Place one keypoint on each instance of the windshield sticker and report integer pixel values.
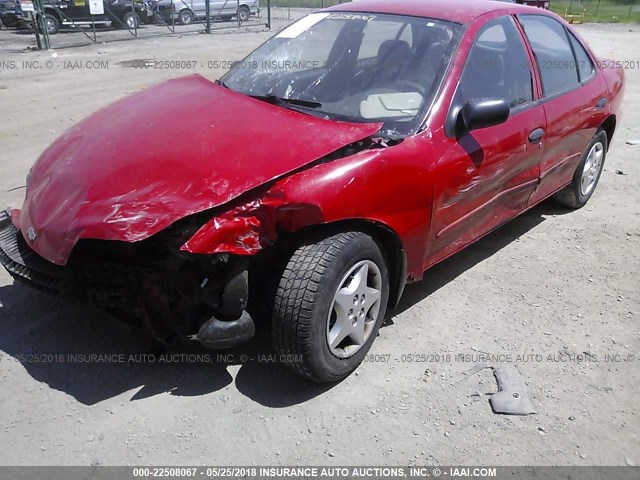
(302, 26)
(352, 16)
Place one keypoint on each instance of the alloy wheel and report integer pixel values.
(592, 167)
(354, 309)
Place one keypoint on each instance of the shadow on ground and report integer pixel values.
(54, 342)
(441, 274)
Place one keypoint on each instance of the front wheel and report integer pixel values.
(131, 20)
(52, 23)
(329, 306)
(243, 13)
(586, 177)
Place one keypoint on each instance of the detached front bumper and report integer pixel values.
(24, 264)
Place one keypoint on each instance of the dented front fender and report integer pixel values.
(242, 230)
(388, 186)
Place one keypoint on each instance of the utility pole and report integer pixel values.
(41, 25)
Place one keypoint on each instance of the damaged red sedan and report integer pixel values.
(344, 157)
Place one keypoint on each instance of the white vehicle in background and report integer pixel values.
(187, 11)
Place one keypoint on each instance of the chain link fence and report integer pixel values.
(292, 6)
(71, 23)
(307, 3)
(572, 10)
(66, 23)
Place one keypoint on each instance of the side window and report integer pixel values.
(497, 66)
(406, 33)
(585, 65)
(376, 34)
(553, 52)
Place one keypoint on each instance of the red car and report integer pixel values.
(341, 159)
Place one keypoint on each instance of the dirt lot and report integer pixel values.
(548, 282)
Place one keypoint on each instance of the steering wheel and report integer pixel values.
(409, 86)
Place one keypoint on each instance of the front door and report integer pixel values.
(487, 175)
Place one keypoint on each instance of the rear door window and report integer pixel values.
(586, 69)
(554, 55)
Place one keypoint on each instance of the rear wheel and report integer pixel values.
(330, 303)
(185, 17)
(587, 174)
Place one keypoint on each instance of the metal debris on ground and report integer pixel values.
(472, 371)
(512, 397)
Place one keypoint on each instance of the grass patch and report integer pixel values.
(606, 11)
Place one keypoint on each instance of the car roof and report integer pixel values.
(461, 11)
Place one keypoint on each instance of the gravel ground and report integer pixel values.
(549, 282)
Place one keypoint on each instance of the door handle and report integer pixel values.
(536, 135)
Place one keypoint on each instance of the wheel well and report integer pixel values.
(609, 126)
(388, 240)
(54, 12)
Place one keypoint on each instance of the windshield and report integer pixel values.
(352, 67)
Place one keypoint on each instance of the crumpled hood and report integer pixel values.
(181, 147)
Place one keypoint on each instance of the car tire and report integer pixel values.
(52, 23)
(587, 174)
(244, 13)
(131, 20)
(185, 17)
(345, 269)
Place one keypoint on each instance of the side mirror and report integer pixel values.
(477, 114)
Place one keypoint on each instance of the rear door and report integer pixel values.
(199, 8)
(486, 176)
(573, 99)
